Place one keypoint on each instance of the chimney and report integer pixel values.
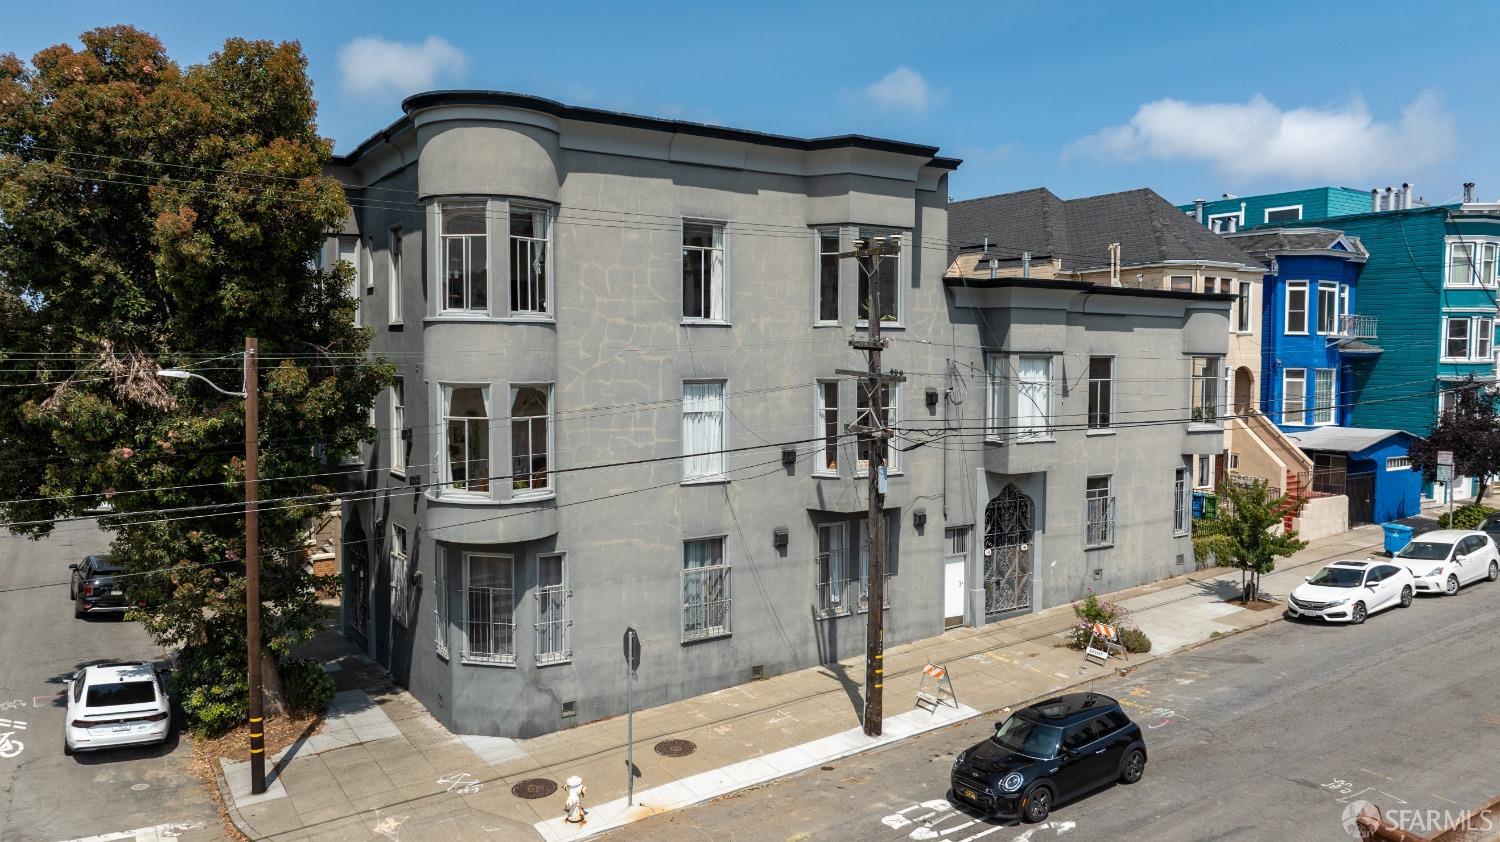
(1405, 195)
(1389, 198)
(1468, 192)
(1374, 198)
(1198, 210)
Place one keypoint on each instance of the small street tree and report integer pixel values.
(152, 217)
(1242, 535)
(1470, 429)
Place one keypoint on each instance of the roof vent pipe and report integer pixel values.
(1025, 264)
(1405, 195)
(1374, 198)
(1198, 205)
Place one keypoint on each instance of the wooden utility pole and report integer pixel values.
(874, 251)
(252, 566)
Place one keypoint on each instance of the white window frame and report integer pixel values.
(1331, 290)
(1286, 307)
(831, 580)
(444, 459)
(892, 409)
(1398, 463)
(1182, 501)
(544, 288)
(1234, 222)
(398, 426)
(1242, 316)
(994, 403)
(441, 272)
(1098, 386)
(826, 427)
(718, 287)
(394, 252)
(440, 603)
(1482, 336)
(554, 617)
(1203, 467)
(1484, 262)
(398, 554)
(495, 655)
(1266, 214)
(1299, 418)
(1099, 513)
(549, 486)
(1214, 381)
(714, 465)
(898, 306)
(1488, 263)
(356, 287)
(819, 256)
(1325, 414)
(1468, 330)
(1047, 429)
(707, 631)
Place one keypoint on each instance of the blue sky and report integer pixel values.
(1190, 99)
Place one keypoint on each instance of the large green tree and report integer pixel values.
(1470, 430)
(153, 216)
(1246, 533)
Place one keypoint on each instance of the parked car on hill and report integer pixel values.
(1047, 753)
(1446, 560)
(95, 588)
(112, 705)
(1350, 591)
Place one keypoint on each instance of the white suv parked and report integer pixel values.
(1445, 560)
(116, 705)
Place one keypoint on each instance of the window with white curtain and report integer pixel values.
(705, 589)
(440, 603)
(1206, 387)
(489, 609)
(393, 273)
(528, 260)
(465, 256)
(828, 426)
(400, 575)
(398, 426)
(994, 413)
(530, 439)
(832, 571)
(1461, 269)
(1033, 396)
(1324, 398)
(703, 284)
(467, 430)
(703, 430)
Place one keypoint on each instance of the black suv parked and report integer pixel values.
(95, 588)
(1048, 753)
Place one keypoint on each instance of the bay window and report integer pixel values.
(1205, 391)
(1328, 307)
(464, 251)
(1033, 396)
(466, 428)
(489, 609)
(530, 438)
(1296, 307)
(528, 260)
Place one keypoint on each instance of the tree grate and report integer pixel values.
(533, 788)
(676, 748)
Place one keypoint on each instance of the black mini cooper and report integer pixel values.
(1047, 753)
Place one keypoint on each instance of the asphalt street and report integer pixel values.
(43, 794)
(1269, 734)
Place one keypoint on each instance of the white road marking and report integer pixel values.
(155, 833)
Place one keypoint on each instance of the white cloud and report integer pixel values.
(1257, 139)
(902, 88)
(373, 67)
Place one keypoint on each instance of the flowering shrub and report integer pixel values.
(1095, 610)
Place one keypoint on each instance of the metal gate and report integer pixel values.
(357, 577)
(1361, 491)
(1007, 552)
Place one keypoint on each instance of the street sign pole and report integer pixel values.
(1445, 473)
(632, 661)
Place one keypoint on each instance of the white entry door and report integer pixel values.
(955, 562)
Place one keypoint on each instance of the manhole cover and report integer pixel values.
(676, 748)
(534, 788)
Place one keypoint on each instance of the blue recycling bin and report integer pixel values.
(1397, 535)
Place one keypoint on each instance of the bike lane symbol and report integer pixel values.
(9, 747)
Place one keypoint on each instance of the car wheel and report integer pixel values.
(1452, 585)
(1037, 805)
(1358, 614)
(78, 611)
(1406, 597)
(1494, 570)
(1133, 767)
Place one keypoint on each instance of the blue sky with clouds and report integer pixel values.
(1188, 98)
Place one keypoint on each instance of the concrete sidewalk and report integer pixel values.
(382, 768)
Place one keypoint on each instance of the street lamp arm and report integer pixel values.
(181, 374)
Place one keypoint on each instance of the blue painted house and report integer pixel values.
(1234, 213)
(1380, 482)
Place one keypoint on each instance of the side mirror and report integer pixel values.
(1307, 578)
(72, 567)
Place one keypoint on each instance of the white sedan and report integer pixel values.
(1350, 591)
(1446, 560)
(116, 705)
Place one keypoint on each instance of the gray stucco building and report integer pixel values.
(617, 340)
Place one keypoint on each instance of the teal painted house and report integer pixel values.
(1235, 213)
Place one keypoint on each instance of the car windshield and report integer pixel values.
(102, 564)
(1338, 577)
(1425, 551)
(122, 693)
(1030, 738)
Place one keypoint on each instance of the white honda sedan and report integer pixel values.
(116, 705)
(1446, 560)
(1350, 591)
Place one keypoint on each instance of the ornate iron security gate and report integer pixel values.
(357, 577)
(1007, 552)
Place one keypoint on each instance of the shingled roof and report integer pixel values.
(1078, 231)
(1265, 243)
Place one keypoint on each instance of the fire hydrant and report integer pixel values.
(574, 805)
